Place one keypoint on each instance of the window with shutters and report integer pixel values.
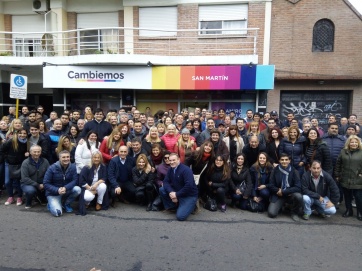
(323, 36)
(28, 44)
(223, 19)
(93, 38)
(158, 21)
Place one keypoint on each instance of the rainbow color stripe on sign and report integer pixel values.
(244, 77)
(97, 80)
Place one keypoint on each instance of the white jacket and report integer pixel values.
(83, 155)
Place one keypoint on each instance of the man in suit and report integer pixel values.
(120, 176)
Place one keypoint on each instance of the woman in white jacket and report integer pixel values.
(83, 153)
(234, 142)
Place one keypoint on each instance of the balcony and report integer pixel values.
(131, 46)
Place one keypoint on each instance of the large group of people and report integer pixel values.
(177, 161)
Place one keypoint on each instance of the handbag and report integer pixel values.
(197, 176)
(157, 204)
(14, 171)
(254, 207)
(210, 205)
(242, 187)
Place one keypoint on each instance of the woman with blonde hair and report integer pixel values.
(88, 116)
(93, 181)
(348, 172)
(143, 176)
(170, 138)
(66, 144)
(254, 130)
(14, 127)
(185, 145)
(161, 128)
(13, 152)
(152, 138)
(294, 147)
(110, 145)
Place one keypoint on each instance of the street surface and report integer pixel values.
(129, 238)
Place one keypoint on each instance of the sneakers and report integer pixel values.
(9, 201)
(305, 217)
(19, 201)
(27, 207)
(223, 208)
(295, 217)
(67, 208)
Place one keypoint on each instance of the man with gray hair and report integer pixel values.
(32, 174)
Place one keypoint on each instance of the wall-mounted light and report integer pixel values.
(149, 64)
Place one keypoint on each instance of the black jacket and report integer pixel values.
(237, 179)
(275, 182)
(323, 155)
(11, 156)
(326, 187)
(142, 178)
(86, 177)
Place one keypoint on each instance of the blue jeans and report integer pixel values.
(185, 205)
(12, 183)
(55, 202)
(320, 206)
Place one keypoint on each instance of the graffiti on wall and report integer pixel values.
(314, 105)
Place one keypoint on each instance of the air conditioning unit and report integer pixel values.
(41, 5)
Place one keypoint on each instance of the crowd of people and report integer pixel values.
(175, 161)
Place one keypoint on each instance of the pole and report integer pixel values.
(17, 108)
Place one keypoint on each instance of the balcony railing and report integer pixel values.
(123, 40)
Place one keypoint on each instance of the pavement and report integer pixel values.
(129, 238)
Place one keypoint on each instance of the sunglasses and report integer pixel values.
(166, 157)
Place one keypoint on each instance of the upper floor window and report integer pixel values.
(223, 19)
(28, 42)
(93, 38)
(159, 18)
(323, 36)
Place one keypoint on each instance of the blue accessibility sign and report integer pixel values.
(19, 81)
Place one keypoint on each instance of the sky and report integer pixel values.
(357, 4)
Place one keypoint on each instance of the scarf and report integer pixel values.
(157, 159)
(23, 140)
(206, 156)
(285, 172)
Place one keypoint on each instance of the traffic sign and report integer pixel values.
(18, 86)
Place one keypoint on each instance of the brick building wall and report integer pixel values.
(292, 34)
(298, 68)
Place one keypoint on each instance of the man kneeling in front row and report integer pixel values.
(60, 185)
(320, 191)
(179, 191)
(285, 187)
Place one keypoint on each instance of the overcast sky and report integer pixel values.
(357, 4)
